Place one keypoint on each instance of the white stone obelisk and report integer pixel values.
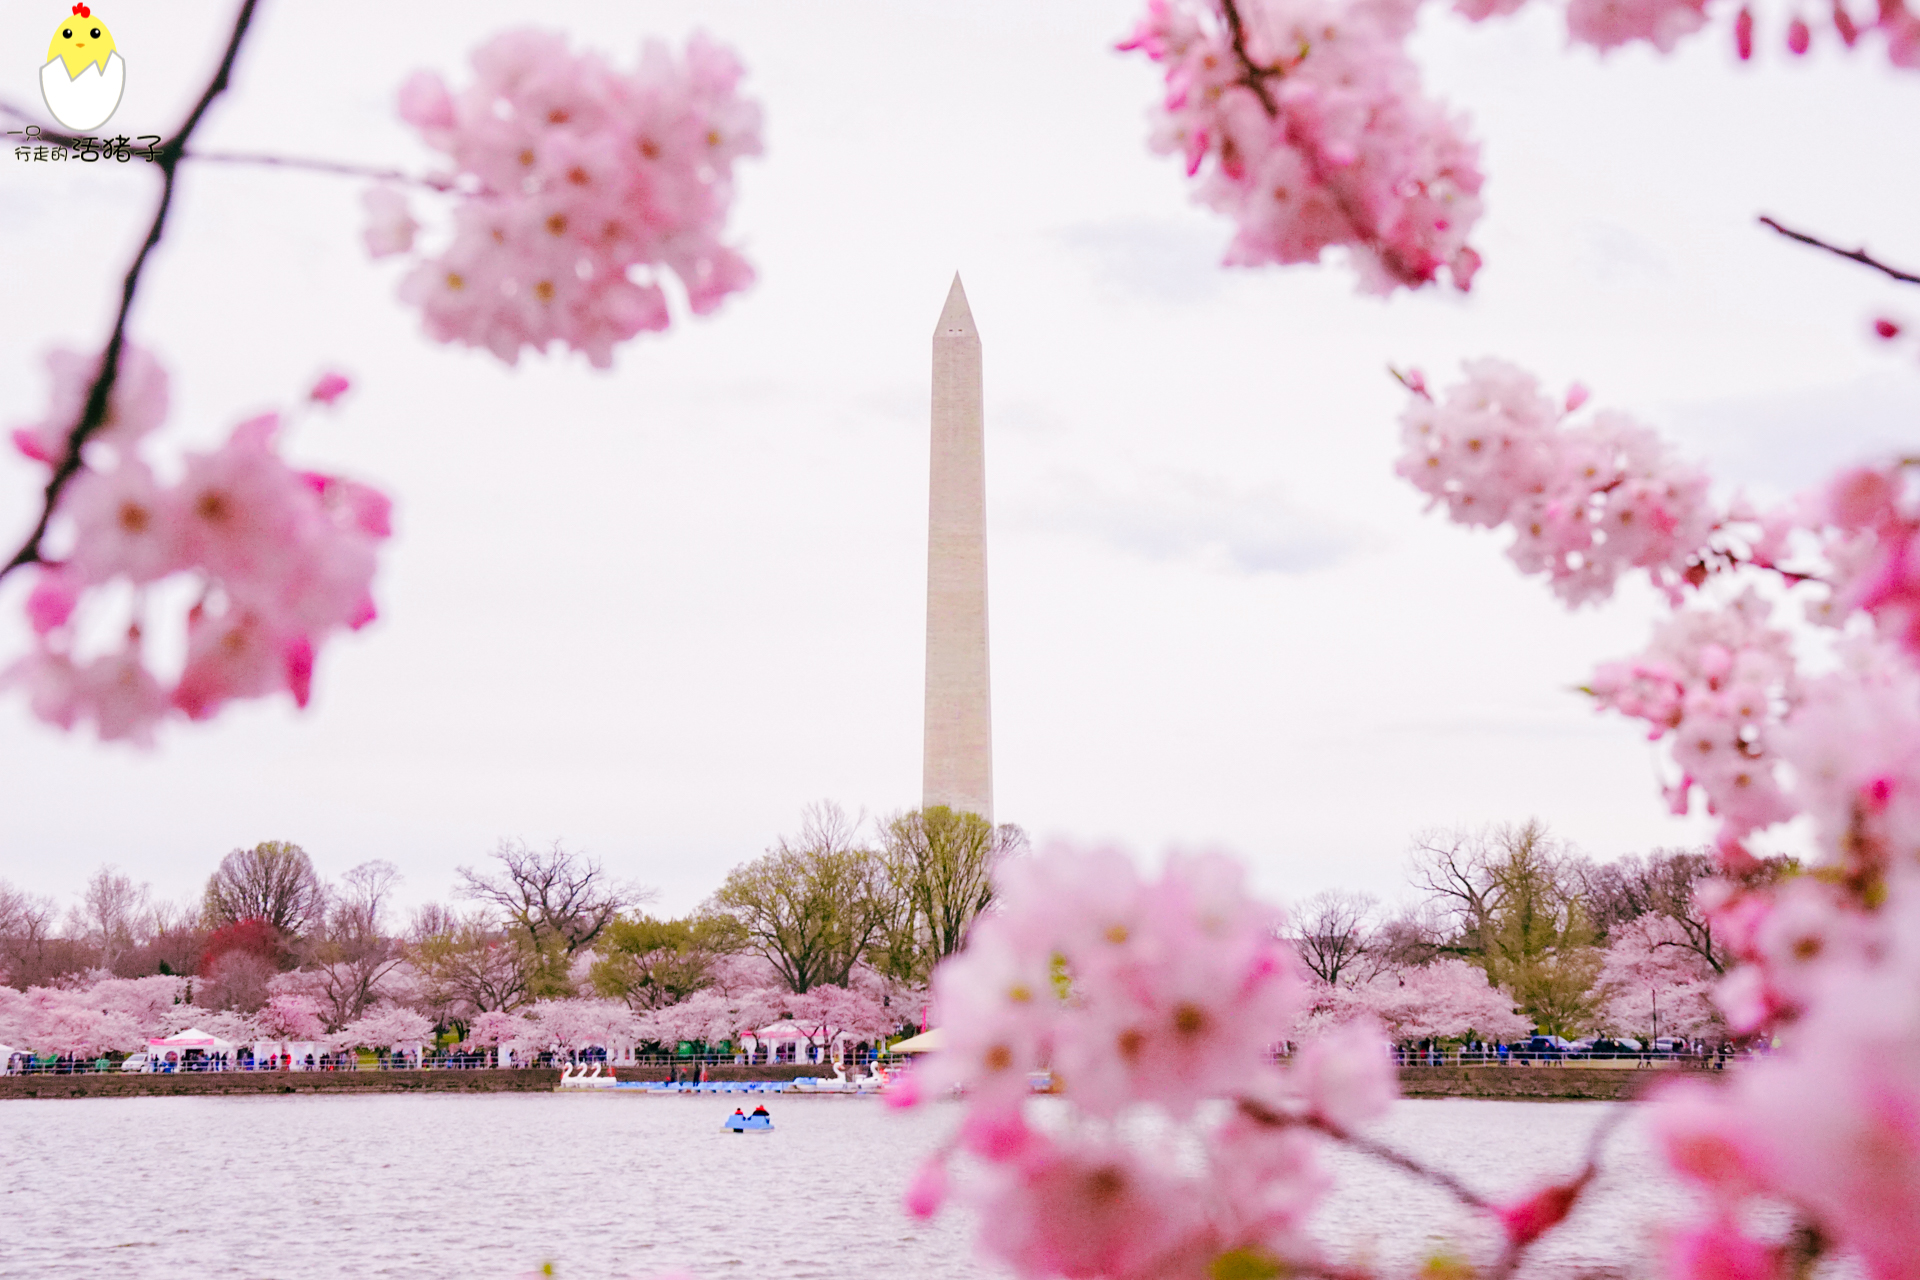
(958, 766)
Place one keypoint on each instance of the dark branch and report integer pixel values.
(1253, 75)
(94, 414)
(1860, 256)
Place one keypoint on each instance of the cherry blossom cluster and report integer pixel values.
(1716, 683)
(1307, 126)
(1827, 960)
(579, 189)
(1829, 1123)
(1610, 24)
(1654, 981)
(1136, 994)
(1587, 500)
(1153, 1007)
(1445, 999)
(279, 559)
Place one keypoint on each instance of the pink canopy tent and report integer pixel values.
(787, 1031)
(192, 1038)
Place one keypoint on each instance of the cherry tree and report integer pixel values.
(145, 1000)
(577, 1024)
(496, 1027)
(289, 1016)
(1443, 1000)
(833, 1012)
(1656, 983)
(712, 1016)
(385, 1027)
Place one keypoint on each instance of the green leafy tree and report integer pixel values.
(1516, 897)
(812, 906)
(653, 963)
(940, 864)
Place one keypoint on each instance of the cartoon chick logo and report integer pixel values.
(84, 75)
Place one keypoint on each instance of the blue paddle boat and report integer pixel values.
(758, 1122)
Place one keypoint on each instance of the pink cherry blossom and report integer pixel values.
(1719, 1250)
(1313, 133)
(391, 226)
(386, 1027)
(928, 1190)
(137, 404)
(125, 524)
(289, 1016)
(1347, 1076)
(1587, 501)
(579, 190)
(282, 559)
(1608, 24)
(1717, 684)
(1081, 1209)
(329, 387)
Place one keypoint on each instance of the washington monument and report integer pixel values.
(958, 767)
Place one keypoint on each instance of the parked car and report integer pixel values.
(1543, 1049)
(135, 1062)
(1612, 1047)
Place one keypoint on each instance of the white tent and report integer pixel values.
(804, 1039)
(192, 1038)
(926, 1042)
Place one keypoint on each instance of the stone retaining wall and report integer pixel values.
(141, 1084)
(1544, 1082)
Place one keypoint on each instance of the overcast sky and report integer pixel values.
(654, 612)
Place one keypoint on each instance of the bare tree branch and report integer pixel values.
(1860, 256)
(94, 415)
(319, 166)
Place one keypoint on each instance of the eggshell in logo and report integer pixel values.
(85, 101)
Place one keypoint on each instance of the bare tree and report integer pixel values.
(1411, 937)
(1333, 932)
(471, 967)
(30, 953)
(1460, 872)
(554, 901)
(1667, 882)
(353, 951)
(273, 881)
(811, 906)
(114, 915)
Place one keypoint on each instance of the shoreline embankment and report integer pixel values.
(1519, 1083)
(142, 1084)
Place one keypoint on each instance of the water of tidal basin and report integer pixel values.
(495, 1184)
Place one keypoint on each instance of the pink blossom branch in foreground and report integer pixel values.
(1829, 1123)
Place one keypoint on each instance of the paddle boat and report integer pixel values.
(758, 1122)
(874, 1082)
(587, 1077)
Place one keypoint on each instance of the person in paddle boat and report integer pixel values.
(760, 1111)
(739, 1114)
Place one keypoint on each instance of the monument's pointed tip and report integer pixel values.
(956, 318)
